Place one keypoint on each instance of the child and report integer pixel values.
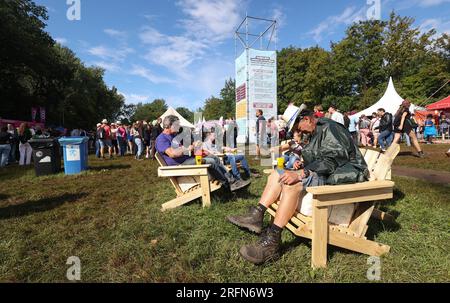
(430, 131)
(294, 151)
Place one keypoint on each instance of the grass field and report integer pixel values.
(110, 218)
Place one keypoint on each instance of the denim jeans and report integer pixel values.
(232, 159)
(290, 160)
(97, 148)
(12, 154)
(217, 171)
(140, 146)
(5, 149)
(407, 139)
(385, 135)
(122, 146)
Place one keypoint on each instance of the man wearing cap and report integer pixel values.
(331, 157)
(106, 141)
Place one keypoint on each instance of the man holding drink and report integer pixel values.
(331, 157)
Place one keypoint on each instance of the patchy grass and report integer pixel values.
(435, 157)
(110, 218)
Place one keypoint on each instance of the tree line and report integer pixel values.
(353, 73)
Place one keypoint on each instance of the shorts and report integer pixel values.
(407, 128)
(312, 181)
(104, 143)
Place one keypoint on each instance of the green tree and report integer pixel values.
(186, 113)
(150, 111)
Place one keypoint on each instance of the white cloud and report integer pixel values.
(134, 98)
(213, 20)
(428, 3)
(115, 33)
(149, 35)
(108, 66)
(347, 17)
(114, 54)
(407, 4)
(143, 72)
(62, 41)
(441, 26)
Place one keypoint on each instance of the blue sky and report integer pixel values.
(184, 50)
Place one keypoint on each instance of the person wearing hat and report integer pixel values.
(403, 125)
(331, 157)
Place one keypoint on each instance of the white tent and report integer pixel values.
(183, 122)
(391, 101)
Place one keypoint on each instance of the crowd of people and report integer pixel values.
(118, 139)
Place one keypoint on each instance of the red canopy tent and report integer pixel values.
(440, 105)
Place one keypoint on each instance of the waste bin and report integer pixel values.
(46, 156)
(75, 155)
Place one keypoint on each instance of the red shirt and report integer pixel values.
(107, 132)
(319, 114)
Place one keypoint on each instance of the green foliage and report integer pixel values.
(186, 113)
(149, 111)
(34, 71)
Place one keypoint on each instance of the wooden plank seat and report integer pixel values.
(189, 181)
(325, 200)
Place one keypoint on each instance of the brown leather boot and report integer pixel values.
(265, 250)
(253, 220)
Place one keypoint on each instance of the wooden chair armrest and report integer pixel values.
(352, 193)
(183, 171)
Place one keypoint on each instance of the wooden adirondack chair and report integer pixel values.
(190, 182)
(363, 195)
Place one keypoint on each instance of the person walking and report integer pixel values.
(24, 147)
(5, 146)
(403, 125)
(385, 128)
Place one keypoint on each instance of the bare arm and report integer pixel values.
(403, 120)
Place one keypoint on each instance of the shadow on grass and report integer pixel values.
(225, 196)
(42, 205)
(110, 167)
(4, 197)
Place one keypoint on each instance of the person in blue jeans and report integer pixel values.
(5, 147)
(230, 158)
(386, 128)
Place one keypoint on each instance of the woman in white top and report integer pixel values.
(374, 124)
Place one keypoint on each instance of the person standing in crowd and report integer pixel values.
(444, 125)
(430, 130)
(318, 111)
(353, 122)
(5, 146)
(374, 129)
(76, 132)
(136, 132)
(260, 126)
(121, 138)
(385, 128)
(24, 147)
(14, 143)
(114, 142)
(130, 139)
(156, 131)
(105, 139)
(364, 130)
(97, 140)
(403, 125)
(147, 131)
(335, 115)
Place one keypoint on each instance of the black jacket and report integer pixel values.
(333, 155)
(385, 122)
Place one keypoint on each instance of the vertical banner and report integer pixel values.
(33, 114)
(42, 114)
(256, 88)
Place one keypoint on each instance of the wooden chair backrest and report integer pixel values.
(173, 180)
(379, 165)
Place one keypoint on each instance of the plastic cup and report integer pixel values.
(280, 165)
(198, 160)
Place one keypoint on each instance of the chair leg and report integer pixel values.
(319, 237)
(206, 191)
(185, 198)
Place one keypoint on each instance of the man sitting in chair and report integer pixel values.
(331, 157)
(174, 153)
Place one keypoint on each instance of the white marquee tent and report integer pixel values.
(391, 101)
(172, 112)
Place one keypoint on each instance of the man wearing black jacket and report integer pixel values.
(385, 129)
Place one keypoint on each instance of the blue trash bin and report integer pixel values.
(75, 155)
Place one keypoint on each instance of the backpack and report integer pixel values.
(101, 133)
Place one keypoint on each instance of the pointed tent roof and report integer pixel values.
(172, 112)
(443, 104)
(390, 101)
